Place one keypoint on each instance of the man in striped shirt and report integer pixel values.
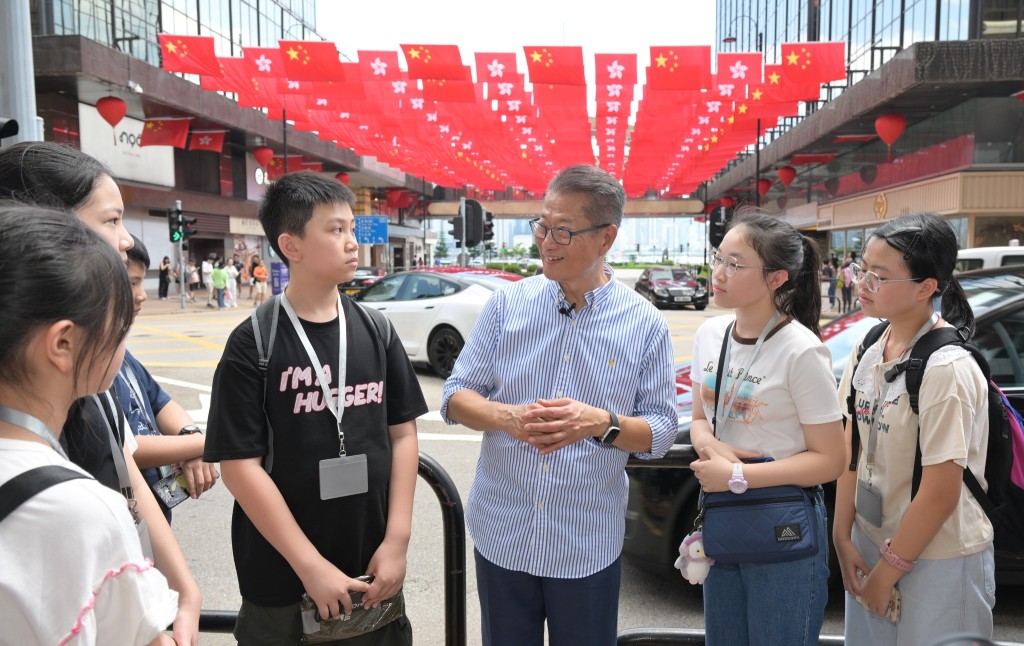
(566, 374)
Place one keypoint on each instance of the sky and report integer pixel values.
(632, 26)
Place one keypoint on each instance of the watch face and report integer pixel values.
(737, 486)
(610, 435)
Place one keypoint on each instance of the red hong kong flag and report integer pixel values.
(207, 140)
(311, 60)
(165, 132)
(814, 62)
(555, 65)
(496, 68)
(679, 68)
(189, 54)
(378, 65)
(615, 69)
(438, 62)
(740, 69)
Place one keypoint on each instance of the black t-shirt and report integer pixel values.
(379, 392)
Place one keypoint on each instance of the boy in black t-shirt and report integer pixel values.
(285, 537)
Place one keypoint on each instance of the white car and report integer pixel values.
(434, 310)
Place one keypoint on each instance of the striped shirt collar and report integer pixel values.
(591, 297)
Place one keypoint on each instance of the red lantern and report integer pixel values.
(263, 155)
(889, 127)
(343, 178)
(786, 175)
(112, 109)
(728, 201)
(763, 186)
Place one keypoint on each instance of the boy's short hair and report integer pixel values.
(289, 202)
(138, 254)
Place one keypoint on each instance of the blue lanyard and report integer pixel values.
(33, 425)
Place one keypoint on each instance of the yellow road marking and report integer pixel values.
(181, 337)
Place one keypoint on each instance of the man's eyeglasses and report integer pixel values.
(872, 281)
(731, 265)
(560, 235)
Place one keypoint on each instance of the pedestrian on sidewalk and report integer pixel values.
(207, 268)
(193, 280)
(828, 272)
(259, 277)
(219, 281)
(165, 278)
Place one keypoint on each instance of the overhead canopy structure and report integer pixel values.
(433, 120)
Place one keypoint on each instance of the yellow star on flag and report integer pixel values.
(661, 60)
(292, 54)
(792, 58)
(742, 109)
(414, 53)
(773, 78)
(731, 120)
(757, 95)
(535, 56)
(171, 48)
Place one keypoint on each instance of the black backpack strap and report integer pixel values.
(871, 338)
(380, 322)
(718, 376)
(264, 319)
(23, 486)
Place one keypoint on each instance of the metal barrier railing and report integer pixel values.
(454, 529)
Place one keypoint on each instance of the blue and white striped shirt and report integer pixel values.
(562, 515)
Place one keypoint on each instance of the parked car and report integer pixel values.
(663, 499)
(433, 310)
(671, 287)
(985, 257)
(364, 277)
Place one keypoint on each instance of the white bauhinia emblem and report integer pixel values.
(520, 119)
(714, 106)
(704, 121)
(610, 132)
(496, 69)
(398, 86)
(527, 131)
(505, 89)
(431, 116)
(513, 106)
(322, 102)
(695, 131)
(538, 148)
(344, 115)
(726, 89)
(205, 140)
(380, 68)
(293, 85)
(614, 90)
(611, 121)
(264, 64)
(615, 70)
(445, 128)
(739, 70)
(468, 145)
(612, 106)
(417, 104)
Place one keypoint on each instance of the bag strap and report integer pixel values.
(718, 376)
(265, 317)
(106, 403)
(25, 485)
(871, 338)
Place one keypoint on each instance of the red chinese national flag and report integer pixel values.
(189, 54)
(207, 140)
(615, 69)
(496, 68)
(779, 88)
(311, 60)
(438, 62)
(679, 68)
(165, 132)
(814, 62)
(555, 65)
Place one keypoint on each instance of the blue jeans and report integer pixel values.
(769, 603)
(514, 606)
(220, 298)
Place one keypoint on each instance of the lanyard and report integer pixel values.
(336, 407)
(883, 393)
(726, 405)
(33, 425)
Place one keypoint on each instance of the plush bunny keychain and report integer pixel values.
(692, 562)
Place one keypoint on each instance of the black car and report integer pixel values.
(671, 287)
(663, 496)
(363, 278)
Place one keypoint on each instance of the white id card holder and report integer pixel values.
(869, 503)
(343, 476)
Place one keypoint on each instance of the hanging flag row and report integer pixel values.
(436, 119)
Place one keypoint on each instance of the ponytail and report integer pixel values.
(955, 308)
(803, 300)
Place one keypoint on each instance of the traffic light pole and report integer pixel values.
(463, 255)
(182, 267)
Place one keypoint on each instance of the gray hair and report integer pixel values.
(605, 198)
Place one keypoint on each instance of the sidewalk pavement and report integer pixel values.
(156, 307)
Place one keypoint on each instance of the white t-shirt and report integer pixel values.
(953, 401)
(72, 568)
(790, 383)
(207, 267)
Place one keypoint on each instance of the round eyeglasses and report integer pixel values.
(872, 281)
(731, 265)
(560, 235)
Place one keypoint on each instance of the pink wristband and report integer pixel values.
(890, 557)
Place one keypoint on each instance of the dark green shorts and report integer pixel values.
(268, 626)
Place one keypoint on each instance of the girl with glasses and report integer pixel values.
(776, 400)
(935, 546)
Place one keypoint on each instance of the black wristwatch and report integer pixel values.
(613, 430)
(189, 430)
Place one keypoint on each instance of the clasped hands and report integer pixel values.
(552, 424)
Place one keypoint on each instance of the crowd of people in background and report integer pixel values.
(221, 278)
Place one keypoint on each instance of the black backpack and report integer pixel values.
(1003, 503)
(27, 484)
(265, 318)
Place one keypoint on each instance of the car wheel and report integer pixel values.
(443, 349)
(653, 300)
(700, 307)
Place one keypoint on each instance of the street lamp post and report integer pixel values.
(729, 38)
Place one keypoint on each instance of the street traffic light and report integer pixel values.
(488, 226)
(174, 225)
(717, 222)
(456, 230)
(188, 226)
(474, 223)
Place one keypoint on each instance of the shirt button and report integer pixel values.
(540, 505)
(547, 467)
(573, 322)
(559, 393)
(567, 358)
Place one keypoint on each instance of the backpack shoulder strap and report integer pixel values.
(24, 486)
(871, 338)
(264, 321)
(380, 322)
(914, 366)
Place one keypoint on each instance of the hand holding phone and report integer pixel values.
(892, 613)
